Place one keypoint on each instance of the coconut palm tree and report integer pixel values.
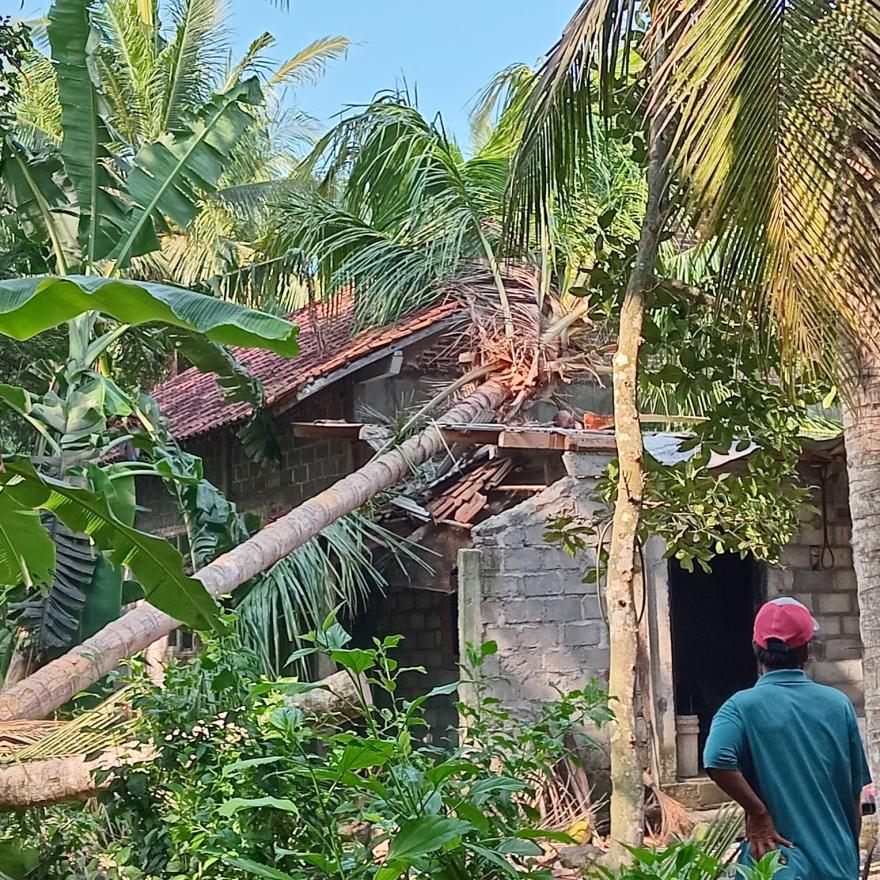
(762, 127)
(457, 239)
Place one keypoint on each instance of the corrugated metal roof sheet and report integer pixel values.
(193, 402)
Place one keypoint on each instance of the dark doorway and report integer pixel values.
(712, 617)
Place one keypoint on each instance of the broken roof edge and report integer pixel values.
(664, 446)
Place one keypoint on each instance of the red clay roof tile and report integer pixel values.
(193, 402)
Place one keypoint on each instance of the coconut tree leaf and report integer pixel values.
(311, 62)
(87, 160)
(154, 562)
(31, 305)
(558, 120)
(777, 149)
(340, 569)
(411, 215)
(169, 176)
(185, 60)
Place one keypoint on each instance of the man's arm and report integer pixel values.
(723, 758)
(760, 830)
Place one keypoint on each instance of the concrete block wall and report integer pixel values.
(827, 588)
(427, 622)
(534, 604)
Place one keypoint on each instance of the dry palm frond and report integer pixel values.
(108, 725)
(666, 818)
(564, 801)
(550, 344)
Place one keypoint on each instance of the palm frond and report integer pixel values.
(252, 62)
(775, 113)
(497, 112)
(295, 596)
(408, 215)
(39, 108)
(192, 60)
(577, 77)
(129, 64)
(309, 64)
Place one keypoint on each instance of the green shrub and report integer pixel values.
(246, 784)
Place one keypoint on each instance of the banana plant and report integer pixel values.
(66, 516)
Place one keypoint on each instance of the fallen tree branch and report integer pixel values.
(60, 680)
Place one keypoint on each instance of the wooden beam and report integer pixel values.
(536, 439)
(327, 430)
(507, 437)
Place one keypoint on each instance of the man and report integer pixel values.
(789, 752)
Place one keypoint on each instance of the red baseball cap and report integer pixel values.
(787, 620)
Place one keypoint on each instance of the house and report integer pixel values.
(481, 521)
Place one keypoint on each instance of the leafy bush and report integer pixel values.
(692, 860)
(248, 782)
(245, 783)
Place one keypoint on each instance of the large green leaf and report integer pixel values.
(31, 305)
(27, 554)
(172, 174)
(38, 191)
(231, 376)
(18, 860)
(154, 562)
(424, 835)
(103, 603)
(87, 160)
(54, 619)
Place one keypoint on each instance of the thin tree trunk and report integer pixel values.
(627, 784)
(57, 682)
(70, 778)
(862, 433)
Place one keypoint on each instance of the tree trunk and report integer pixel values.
(57, 682)
(627, 785)
(56, 780)
(862, 433)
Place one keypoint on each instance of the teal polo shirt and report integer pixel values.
(798, 745)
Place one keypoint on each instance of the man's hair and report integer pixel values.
(777, 656)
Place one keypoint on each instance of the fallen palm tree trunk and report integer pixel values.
(35, 777)
(56, 780)
(58, 681)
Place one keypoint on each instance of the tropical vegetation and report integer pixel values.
(662, 178)
(764, 167)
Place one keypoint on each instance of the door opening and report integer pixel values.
(712, 617)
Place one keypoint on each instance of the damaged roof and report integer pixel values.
(194, 404)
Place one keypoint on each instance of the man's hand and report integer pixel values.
(762, 835)
(760, 830)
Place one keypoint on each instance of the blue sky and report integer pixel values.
(447, 50)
